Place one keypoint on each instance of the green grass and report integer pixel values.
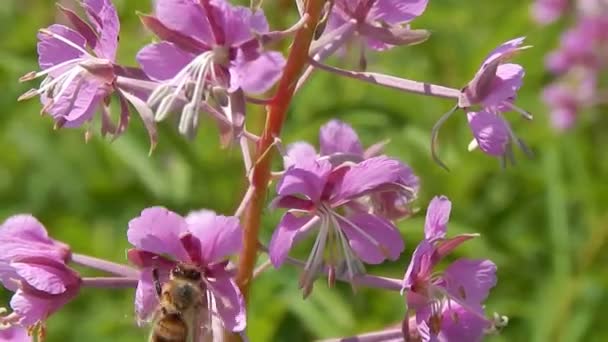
(544, 221)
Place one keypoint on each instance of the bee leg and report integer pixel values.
(157, 285)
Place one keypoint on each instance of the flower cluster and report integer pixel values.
(211, 57)
(580, 61)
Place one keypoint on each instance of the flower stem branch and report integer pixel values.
(277, 109)
(110, 282)
(410, 86)
(105, 265)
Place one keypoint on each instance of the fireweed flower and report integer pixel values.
(33, 266)
(163, 238)
(341, 145)
(381, 23)
(492, 91)
(80, 72)
(462, 286)
(210, 51)
(321, 196)
(568, 96)
(547, 11)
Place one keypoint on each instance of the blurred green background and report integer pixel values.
(544, 221)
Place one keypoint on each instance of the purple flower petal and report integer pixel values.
(418, 275)
(78, 103)
(491, 132)
(437, 216)
(47, 278)
(299, 154)
(15, 333)
(32, 309)
(229, 302)
(23, 236)
(339, 137)
(238, 22)
(470, 280)
(504, 51)
(219, 236)
(508, 80)
(397, 11)
(292, 202)
(162, 61)
(285, 235)
(367, 176)
(104, 18)
(459, 324)
(52, 51)
(185, 16)
(308, 181)
(146, 298)
(258, 75)
(158, 230)
(387, 244)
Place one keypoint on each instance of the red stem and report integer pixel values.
(277, 109)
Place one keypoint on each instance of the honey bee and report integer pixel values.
(181, 300)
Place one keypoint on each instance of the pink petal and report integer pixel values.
(15, 333)
(421, 264)
(470, 280)
(219, 236)
(157, 230)
(43, 277)
(309, 181)
(437, 217)
(491, 132)
(185, 16)
(389, 243)
(259, 75)
(162, 61)
(504, 51)
(339, 137)
(285, 234)
(33, 309)
(78, 103)
(238, 22)
(367, 176)
(104, 18)
(460, 324)
(508, 80)
(146, 298)
(299, 153)
(23, 236)
(397, 11)
(52, 51)
(229, 302)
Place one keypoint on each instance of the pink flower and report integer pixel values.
(382, 23)
(79, 67)
(34, 267)
(462, 286)
(207, 46)
(492, 90)
(320, 196)
(163, 238)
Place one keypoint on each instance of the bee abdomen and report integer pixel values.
(170, 328)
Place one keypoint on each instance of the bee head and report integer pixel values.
(186, 272)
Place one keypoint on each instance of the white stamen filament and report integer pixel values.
(315, 259)
(197, 70)
(66, 41)
(361, 231)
